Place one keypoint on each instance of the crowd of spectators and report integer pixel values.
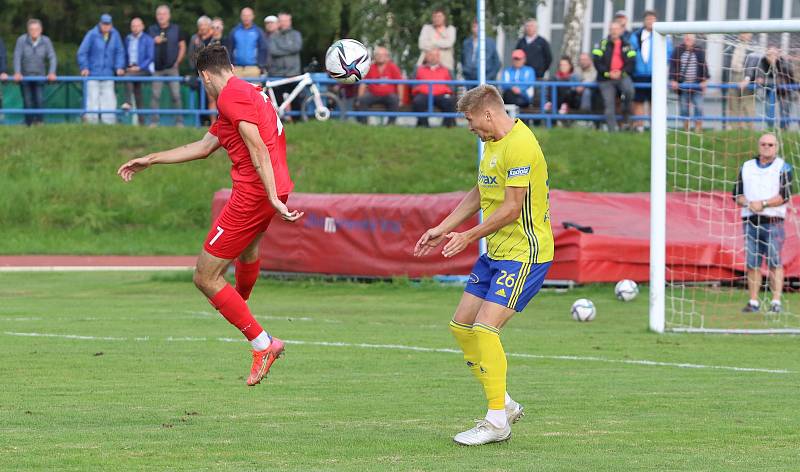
(617, 71)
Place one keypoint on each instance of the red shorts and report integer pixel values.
(243, 218)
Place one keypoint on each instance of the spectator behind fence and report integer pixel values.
(614, 60)
(567, 97)
(198, 41)
(774, 72)
(588, 75)
(518, 73)
(438, 35)
(218, 31)
(688, 67)
(443, 98)
(387, 95)
(469, 56)
(170, 49)
(30, 53)
(622, 18)
(270, 28)
(740, 61)
(249, 49)
(285, 55)
(763, 190)
(139, 51)
(217, 37)
(537, 50)
(101, 54)
(642, 42)
(3, 68)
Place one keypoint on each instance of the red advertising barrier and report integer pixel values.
(374, 235)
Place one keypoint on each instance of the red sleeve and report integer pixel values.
(237, 106)
(214, 128)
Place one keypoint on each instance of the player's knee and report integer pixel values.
(199, 279)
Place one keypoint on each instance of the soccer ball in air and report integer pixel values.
(347, 61)
(583, 310)
(626, 290)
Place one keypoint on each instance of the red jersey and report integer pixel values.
(240, 101)
(388, 71)
(432, 73)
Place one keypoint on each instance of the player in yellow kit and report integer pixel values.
(513, 193)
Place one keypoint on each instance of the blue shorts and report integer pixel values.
(763, 241)
(508, 283)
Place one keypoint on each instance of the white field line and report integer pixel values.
(402, 347)
(93, 268)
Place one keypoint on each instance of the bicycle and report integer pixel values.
(320, 103)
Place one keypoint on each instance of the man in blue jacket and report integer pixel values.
(469, 56)
(139, 50)
(101, 54)
(248, 47)
(521, 78)
(642, 42)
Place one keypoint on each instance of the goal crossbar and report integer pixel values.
(658, 142)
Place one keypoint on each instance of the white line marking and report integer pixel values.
(401, 347)
(93, 268)
(68, 336)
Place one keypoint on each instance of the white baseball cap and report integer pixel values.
(270, 19)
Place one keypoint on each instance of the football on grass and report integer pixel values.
(583, 310)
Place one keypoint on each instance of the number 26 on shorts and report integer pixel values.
(506, 279)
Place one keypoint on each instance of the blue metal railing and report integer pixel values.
(197, 99)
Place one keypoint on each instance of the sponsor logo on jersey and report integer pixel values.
(518, 171)
(493, 162)
(487, 180)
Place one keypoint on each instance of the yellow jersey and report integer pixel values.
(516, 160)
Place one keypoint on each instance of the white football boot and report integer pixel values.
(514, 412)
(483, 433)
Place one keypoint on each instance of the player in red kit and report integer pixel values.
(252, 134)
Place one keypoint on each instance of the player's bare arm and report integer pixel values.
(259, 154)
(188, 152)
(508, 212)
(468, 206)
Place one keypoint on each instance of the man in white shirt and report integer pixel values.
(763, 190)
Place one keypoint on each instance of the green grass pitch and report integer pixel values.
(146, 383)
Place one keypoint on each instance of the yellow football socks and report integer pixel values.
(469, 344)
(493, 364)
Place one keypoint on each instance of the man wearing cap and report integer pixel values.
(270, 29)
(248, 46)
(170, 49)
(101, 54)
(519, 79)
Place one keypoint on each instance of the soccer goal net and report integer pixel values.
(725, 233)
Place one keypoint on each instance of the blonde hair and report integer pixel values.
(482, 96)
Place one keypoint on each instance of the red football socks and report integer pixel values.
(246, 276)
(231, 305)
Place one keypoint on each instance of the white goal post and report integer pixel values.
(659, 148)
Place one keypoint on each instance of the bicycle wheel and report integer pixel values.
(331, 102)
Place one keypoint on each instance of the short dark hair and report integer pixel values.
(213, 58)
(649, 13)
